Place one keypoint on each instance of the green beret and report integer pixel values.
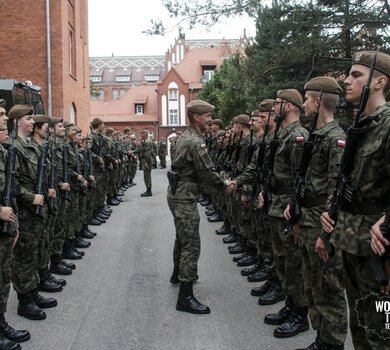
(144, 131)
(96, 122)
(366, 58)
(19, 111)
(291, 95)
(40, 118)
(54, 120)
(218, 122)
(242, 119)
(2, 102)
(109, 131)
(326, 84)
(255, 113)
(68, 124)
(78, 130)
(221, 133)
(266, 105)
(200, 107)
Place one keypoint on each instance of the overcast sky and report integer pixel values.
(115, 27)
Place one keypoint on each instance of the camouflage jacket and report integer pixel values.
(145, 152)
(286, 166)
(370, 180)
(193, 160)
(321, 176)
(162, 149)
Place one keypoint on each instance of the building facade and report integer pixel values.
(23, 53)
(151, 92)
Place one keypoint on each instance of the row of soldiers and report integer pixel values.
(54, 183)
(306, 210)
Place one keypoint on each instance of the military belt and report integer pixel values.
(315, 202)
(186, 178)
(282, 190)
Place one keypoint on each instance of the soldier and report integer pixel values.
(9, 337)
(133, 153)
(31, 226)
(162, 153)
(287, 258)
(145, 154)
(154, 154)
(370, 188)
(323, 281)
(192, 165)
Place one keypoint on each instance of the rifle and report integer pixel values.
(42, 171)
(237, 155)
(53, 167)
(260, 160)
(299, 188)
(91, 183)
(378, 263)
(219, 151)
(65, 172)
(270, 177)
(343, 192)
(9, 188)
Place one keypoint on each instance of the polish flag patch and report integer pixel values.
(299, 139)
(341, 143)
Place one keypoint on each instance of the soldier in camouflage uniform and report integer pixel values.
(323, 281)
(154, 153)
(133, 153)
(9, 337)
(192, 164)
(287, 258)
(145, 154)
(371, 193)
(162, 153)
(25, 260)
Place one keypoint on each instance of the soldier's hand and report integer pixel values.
(378, 242)
(261, 200)
(91, 178)
(327, 223)
(85, 183)
(38, 199)
(52, 193)
(231, 187)
(286, 213)
(64, 186)
(145, 166)
(80, 177)
(7, 214)
(321, 250)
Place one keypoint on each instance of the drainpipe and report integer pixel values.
(48, 52)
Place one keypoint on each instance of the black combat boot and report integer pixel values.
(251, 270)
(260, 275)
(68, 252)
(261, 290)
(68, 264)
(187, 302)
(250, 258)
(80, 242)
(230, 239)
(57, 267)
(46, 284)
(281, 316)
(147, 193)
(273, 295)
(175, 275)
(6, 344)
(215, 218)
(11, 333)
(42, 302)
(132, 182)
(112, 201)
(28, 308)
(296, 322)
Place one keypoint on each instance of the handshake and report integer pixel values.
(231, 185)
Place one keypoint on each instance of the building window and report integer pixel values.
(173, 94)
(94, 95)
(95, 79)
(151, 78)
(72, 53)
(122, 92)
(115, 94)
(139, 109)
(208, 73)
(122, 78)
(101, 95)
(150, 135)
(173, 117)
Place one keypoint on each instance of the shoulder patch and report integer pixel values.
(299, 139)
(341, 143)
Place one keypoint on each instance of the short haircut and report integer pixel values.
(329, 101)
(377, 74)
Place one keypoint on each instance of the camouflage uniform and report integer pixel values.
(162, 153)
(146, 158)
(323, 281)
(370, 180)
(194, 164)
(287, 258)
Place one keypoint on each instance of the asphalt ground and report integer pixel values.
(119, 297)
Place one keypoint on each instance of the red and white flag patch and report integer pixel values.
(299, 139)
(341, 143)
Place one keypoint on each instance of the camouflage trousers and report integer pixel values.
(5, 270)
(133, 169)
(186, 250)
(82, 211)
(245, 225)
(367, 325)
(25, 258)
(57, 224)
(163, 160)
(264, 246)
(148, 177)
(99, 192)
(44, 243)
(324, 289)
(287, 262)
(72, 214)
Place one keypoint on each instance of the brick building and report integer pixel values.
(151, 92)
(23, 52)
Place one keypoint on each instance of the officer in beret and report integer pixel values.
(145, 154)
(371, 193)
(323, 283)
(191, 166)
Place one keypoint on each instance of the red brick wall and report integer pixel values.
(23, 52)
